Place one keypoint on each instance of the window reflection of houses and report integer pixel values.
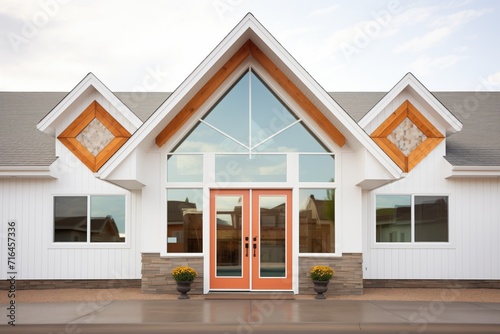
(229, 242)
(317, 226)
(71, 229)
(184, 227)
(394, 224)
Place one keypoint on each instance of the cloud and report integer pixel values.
(494, 79)
(426, 64)
(458, 19)
(425, 42)
(323, 11)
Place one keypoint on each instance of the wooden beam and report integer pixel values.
(203, 94)
(298, 95)
(392, 121)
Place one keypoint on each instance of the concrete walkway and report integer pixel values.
(254, 316)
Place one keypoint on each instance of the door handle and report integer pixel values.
(246, 246)
(254, 245)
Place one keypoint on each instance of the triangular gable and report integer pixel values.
(403, 132)
(249, 38)
(441, 113)
(49, 122)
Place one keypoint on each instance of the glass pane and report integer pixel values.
(316, 168)
(205, 139)
(185, 168)
(272, 236)
(317, 221)
(393, 218)
(184, 220)
(294, 139)
(258, 168)
(107, 218)
(229, 233)
(431, 218)
(230, 115)
(70, 219)
(269, 114)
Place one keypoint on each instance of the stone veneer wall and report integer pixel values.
(157, 273)
(348, 277)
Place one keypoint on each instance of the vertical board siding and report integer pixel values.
(474, 227)
(30, 203)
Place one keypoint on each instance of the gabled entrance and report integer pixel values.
(250, 240)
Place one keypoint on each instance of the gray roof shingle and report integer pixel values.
(21, 144)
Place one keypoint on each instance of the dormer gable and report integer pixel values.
(409, 122)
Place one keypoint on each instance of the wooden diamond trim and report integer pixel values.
(68, 136)
(381, 134)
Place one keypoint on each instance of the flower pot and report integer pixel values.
(320, 287)
(183, 288)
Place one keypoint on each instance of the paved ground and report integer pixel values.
(102, 311)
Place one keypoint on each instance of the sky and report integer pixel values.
(153, 45)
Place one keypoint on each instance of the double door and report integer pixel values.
(250, 239)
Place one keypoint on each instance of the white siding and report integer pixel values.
(474, 226)
(30, 203)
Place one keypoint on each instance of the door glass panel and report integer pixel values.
(272, 236)
(228, 212)
(258, 168)
(230, 115)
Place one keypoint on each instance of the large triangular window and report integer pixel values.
(250, 118)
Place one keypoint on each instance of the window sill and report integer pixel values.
(414, 245)
(87, 245)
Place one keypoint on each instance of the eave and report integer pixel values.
(26, 172)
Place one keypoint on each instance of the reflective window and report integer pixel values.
(185, 168)
(107, 218)
(184, 220)
(316, 168)
(317, 221)
(250, 118)
(257, 168)
(393, 218)
(272, 218)
(431, 218)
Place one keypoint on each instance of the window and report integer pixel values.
(411, 218)
(317, 220)
(96, 218)
(184, 221)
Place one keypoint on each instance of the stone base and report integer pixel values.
(157, 273)
(39, 284)
(432, 283)
(348, 277)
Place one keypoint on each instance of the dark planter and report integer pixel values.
(320, 287)
(184, 288)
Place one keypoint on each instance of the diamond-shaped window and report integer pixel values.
(94, 136)
(407, 136)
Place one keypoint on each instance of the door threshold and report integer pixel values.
(250, 295)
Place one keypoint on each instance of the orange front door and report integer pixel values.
(250, 240)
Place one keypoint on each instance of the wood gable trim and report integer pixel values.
(249, 48)
(407, 110)
(68, 136)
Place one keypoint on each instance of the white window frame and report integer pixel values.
(88, 244)
(412, 243)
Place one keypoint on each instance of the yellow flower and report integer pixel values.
(321, 273)
(184, 274)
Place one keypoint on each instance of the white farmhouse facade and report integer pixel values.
(251, 173)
